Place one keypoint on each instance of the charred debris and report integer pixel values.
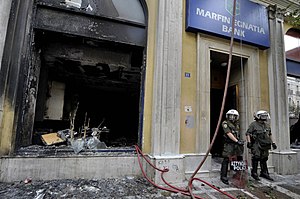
(69, 142)
(86, 138)
(88, 95)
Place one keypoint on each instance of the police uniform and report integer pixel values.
(261, 143)
(231, 148)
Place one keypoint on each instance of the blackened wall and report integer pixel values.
(13, 71)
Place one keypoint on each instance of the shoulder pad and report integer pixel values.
(225, 124)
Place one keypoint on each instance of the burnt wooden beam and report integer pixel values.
(80, 24)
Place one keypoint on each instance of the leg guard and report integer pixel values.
(254, 169)
(264, 170)
(224, 169)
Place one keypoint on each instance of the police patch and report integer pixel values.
(225, 125)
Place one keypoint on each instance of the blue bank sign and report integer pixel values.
(215, 17)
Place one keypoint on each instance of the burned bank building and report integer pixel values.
(84, 81)
(84, 66)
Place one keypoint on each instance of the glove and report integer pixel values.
(240, 142)
(249, 145)
(274, 146)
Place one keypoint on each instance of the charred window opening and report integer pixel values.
(87, 84)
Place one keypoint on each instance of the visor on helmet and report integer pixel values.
(263, 116)
(232, 117)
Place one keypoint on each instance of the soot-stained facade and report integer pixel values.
(83, 67)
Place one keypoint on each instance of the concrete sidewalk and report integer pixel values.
(94, 182)
(283, 187)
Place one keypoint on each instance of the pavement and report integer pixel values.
(283, 187)
(129, 187)
(137, 187)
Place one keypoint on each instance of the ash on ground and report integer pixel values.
(127, 188)
(65, 150)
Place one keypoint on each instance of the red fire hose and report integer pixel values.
(172, 188)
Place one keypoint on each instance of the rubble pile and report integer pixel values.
(89, 138)
(128, 187)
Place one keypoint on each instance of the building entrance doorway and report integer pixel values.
(218, 67)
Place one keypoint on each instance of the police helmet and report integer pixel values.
(232, 115)
(261, 115)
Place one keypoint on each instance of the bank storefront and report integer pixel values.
(185, 114)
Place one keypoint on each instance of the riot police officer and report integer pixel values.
(260, 141)
(233, 145)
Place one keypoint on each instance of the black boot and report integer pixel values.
(254, 169)
(224, 169)
(264, 173)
